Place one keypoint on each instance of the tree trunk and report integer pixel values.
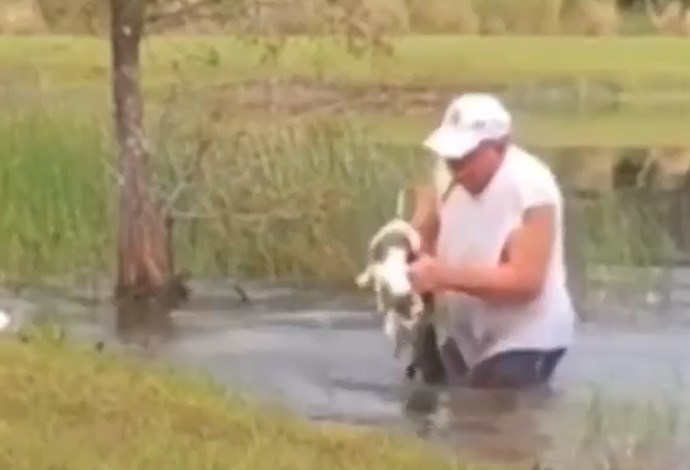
(144, 253)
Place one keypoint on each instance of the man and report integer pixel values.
(493, 251)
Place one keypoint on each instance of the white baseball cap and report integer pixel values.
(469, 120)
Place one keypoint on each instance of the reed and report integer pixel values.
(55, 203)
(281, 198)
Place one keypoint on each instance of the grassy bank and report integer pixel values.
(68, 407)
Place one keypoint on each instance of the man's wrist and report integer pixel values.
(450, 278)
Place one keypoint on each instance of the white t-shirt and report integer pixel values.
(474, 231)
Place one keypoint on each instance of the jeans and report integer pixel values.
(511, 369)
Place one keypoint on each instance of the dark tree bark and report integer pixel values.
(145, 270)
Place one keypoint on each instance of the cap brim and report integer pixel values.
(450, 143)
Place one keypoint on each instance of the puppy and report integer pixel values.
(408, 317)
(390, 251)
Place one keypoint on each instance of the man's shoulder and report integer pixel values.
(529, 161)
(533, 175)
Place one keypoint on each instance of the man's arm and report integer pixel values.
(425, 218)
(521, 276)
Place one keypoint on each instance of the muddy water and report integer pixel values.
(324, 356)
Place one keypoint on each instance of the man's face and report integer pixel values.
(474, 170)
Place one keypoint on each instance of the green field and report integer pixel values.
(638, 86)
(274, 167)
(632, 63)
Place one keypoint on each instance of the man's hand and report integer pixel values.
(518, 278)
(425, 274)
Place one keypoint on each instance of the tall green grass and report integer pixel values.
(292, 200)
(291, 197)
(295, 199)
(55, 194)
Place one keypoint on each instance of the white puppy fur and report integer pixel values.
(388, 268)
(5, 320)
(407, 315)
